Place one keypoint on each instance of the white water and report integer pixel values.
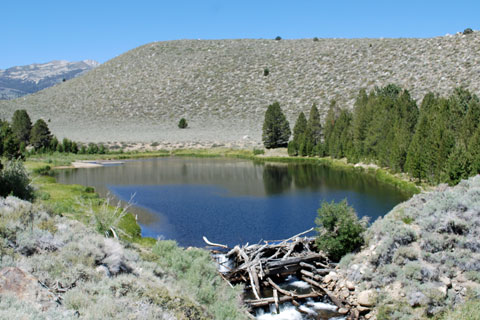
(310, 307)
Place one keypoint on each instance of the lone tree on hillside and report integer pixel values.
(40, 136)
(182, 124)
(21, 125)
(276, 129)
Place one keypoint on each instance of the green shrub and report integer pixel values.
(278, 38)
(315, 39)
(14, 180)
(468, 31)
(339, 230)
(258, 151)
(468, 310)
(266, 72)
(182, 124)
(43, 171)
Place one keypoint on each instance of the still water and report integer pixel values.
(231, 201)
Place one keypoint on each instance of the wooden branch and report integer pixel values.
(336, 301)
(266, 301)
(214, 244)
(275, 299)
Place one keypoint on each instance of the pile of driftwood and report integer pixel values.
(259, 265)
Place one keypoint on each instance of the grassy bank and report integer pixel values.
(188, 284)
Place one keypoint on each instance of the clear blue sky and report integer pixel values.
(40, 31)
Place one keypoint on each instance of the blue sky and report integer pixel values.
(40, 31)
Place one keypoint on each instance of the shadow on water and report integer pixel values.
(229, 200)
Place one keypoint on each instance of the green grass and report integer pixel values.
(73, 201)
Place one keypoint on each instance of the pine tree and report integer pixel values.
(329, 125)
(298, 134)
(276, 130)
(361, 120)
(474, 150)
(314, 126)
(300, 127)
(40, 136)
(21, 125)
(458, 165)
(9, 146)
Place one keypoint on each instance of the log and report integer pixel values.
(266, 301)
(214, 244)
(275, 299)
(336, 301)
(283, 291)
(252, 284)
(310, 274)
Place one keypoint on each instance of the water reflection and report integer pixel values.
(231, 200)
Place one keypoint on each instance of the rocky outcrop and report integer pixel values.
(22, 80)
(25, 287)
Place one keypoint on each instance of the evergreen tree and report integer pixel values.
(9, 146)
(300, 127)
(474, 150)
(421, 152)
(54, 144)
(340, 143)
(67, 145)
(276, 129)
(314, 127)
(40, 136)
(21, 125)
(329, 126)
(360, 123)
(298, 134)
(458, 165)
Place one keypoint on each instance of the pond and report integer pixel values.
(232, 201)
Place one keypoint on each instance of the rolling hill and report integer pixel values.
(219, 86)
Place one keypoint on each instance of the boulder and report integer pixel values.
(332, 276)
(367, 298)
(25, 287)
(350, 285)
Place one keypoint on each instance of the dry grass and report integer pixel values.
(219, 86)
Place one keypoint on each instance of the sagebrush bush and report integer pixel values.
(339, 229)
(100, 278)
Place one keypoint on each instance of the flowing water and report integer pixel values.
(231, 201)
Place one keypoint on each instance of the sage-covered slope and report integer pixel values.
(219, 86)
(423, 257)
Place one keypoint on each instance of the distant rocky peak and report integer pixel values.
(21, 80)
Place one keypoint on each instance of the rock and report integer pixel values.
(443, 290)
(368, 316)
(344, 293)
(367, 298)
(416, 299)
(363, 309)
(26, 287)
(350, 285)
(446, 281)
(103, 270)
(343, 311)
(332, 276)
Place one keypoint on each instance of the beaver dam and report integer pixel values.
(286, 279)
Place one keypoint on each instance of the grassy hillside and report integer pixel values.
(219, 86)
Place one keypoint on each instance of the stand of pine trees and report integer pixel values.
(17, 135)
(438, 142)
